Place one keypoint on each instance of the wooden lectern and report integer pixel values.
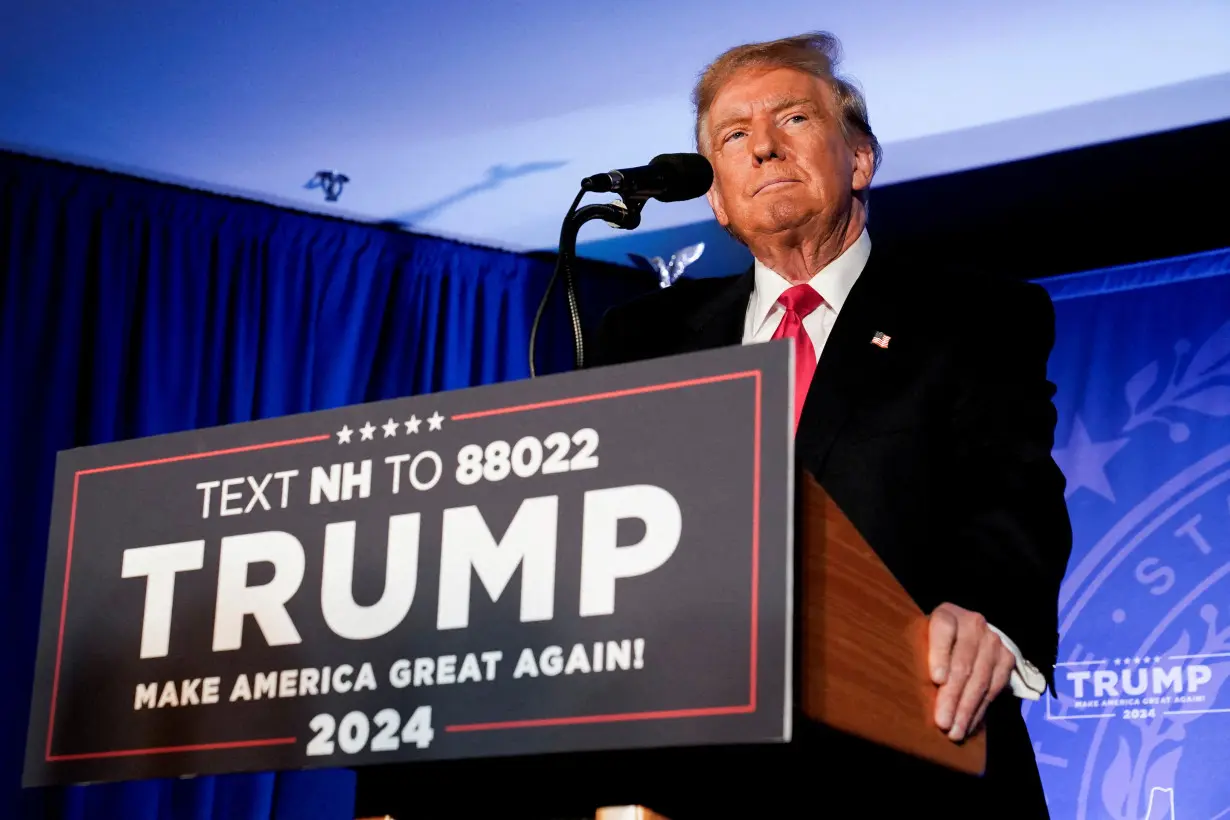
(862, 648)
(864, 643)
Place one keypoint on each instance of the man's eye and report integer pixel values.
(732, 135)
(798, 118)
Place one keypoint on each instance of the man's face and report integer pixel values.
(780, 159)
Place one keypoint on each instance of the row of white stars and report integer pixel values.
(1121, 661)
(368, 431)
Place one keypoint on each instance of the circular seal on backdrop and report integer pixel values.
(1138, 724)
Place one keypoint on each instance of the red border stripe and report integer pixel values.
(192, 456)
(625, 716)
(747, 708)
(743, 709)
(200, 747)
(755, 543)
(68, 564)
(613, 394)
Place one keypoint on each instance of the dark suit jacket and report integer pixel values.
(938, 448)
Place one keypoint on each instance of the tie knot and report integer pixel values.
(801, 300)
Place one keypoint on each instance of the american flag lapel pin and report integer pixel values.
(881, 339)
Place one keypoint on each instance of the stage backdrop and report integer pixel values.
(1141, 725)
(129, 308)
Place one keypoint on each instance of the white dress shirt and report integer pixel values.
(834, 283)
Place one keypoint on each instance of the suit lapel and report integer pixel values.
(851, 368)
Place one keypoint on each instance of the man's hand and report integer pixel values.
(969, 664)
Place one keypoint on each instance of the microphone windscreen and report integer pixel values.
(687, 176)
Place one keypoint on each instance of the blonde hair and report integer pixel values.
(817, 53)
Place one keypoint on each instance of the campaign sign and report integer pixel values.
(1136, 688)
(597, 560)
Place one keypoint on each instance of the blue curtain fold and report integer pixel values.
(130, 308)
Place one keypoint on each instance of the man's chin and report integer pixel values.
(783, 217)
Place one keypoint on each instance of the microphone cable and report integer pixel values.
(563, 262)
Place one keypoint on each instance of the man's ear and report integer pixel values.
(719, 208)
(864, 166)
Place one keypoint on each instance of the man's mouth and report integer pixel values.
(773, 184)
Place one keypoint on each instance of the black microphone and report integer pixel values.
(667, 178)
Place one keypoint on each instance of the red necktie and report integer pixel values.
(799, 301)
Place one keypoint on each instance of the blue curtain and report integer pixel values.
(1141, 724)
(129, 308)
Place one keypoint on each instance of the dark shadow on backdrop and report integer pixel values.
(497, 175)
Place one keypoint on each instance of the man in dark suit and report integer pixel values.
(922, 407)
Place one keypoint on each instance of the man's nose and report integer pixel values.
(767, 145)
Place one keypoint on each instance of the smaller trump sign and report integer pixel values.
(1136, 688)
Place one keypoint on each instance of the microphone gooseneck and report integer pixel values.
(667, 178)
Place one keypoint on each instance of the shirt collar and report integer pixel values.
(833, 282)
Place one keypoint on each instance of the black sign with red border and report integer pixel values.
(597, 560)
